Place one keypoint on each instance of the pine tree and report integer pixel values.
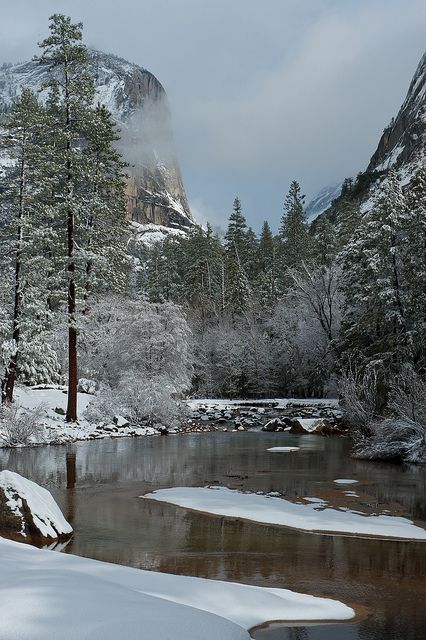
(375, 324)
(236, 257)
(416, 264)
(293, 233)
(24, 233)
(324, 241)
(89, 183)
(266, 260)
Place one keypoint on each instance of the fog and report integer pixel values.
(260, 92)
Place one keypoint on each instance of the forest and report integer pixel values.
(331, 308)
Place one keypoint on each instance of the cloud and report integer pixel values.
(260, 92)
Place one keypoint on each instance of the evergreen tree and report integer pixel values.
(236, 258)
(266, 260)
(88, 190)
(293, 233)
(324, 241)
(416, 264)
(375, 321)
(24, 232)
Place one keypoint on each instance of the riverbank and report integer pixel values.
(202, 416)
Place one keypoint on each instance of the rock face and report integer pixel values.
(28, 513)
(139, 105)
(402, 144)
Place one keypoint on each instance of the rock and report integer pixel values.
(240, 428)
(59, 411)
(28, 512)
(273, 424)
(163, 431)
(87, 386)
(121, 422)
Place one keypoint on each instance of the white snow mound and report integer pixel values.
(46, 514)
(42, 592)
(277, 511)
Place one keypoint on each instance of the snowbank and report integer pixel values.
(50, 595)
(283, 449)
(54, 429)
(277, 511)
(44, 515)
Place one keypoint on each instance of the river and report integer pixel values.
(97, 484)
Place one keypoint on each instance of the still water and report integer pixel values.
(97, 485)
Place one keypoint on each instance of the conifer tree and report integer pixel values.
(89, 186)
(266, 261)
(24, 232)
(293, 233)
(236, 256)
(375, 323)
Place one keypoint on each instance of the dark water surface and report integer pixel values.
(97, 485)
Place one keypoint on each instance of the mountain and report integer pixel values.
(322, 201)
(402, 146)
(139, 105)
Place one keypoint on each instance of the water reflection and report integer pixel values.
(97, 485)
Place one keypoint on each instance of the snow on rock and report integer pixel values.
(42, 591)
(278, 511)
(283, 449)
(33, 508)
(87, 386)
(345, 481)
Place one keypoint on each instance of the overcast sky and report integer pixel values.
(261, 91)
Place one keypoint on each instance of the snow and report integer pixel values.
(283, 449)
(47, 516)
(278, 511)
(54, 429)
(345, 481)
(309, 424)
(278, 403)
(51, 595)
(151, 234)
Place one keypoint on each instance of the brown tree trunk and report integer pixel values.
(9, 380)
(71, 415)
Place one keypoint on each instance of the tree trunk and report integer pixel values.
(8, 384)
(71, 415)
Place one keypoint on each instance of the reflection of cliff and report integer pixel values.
(139, 105)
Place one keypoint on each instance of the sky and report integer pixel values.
(261, 91)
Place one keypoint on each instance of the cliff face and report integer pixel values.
(139, 105)
(402, 144)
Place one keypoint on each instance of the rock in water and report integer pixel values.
(28, 512)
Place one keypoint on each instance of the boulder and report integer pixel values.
(273, 424)
(28, 512)
(121, 422)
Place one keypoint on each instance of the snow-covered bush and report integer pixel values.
(141, 353)
(19, 427)
(403, 435)
(358, 400)
(141, 401)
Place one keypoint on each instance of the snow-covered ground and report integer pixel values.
(45, 513)
(46, 595)
(53, 428)
(278, 403)
(278, 511)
